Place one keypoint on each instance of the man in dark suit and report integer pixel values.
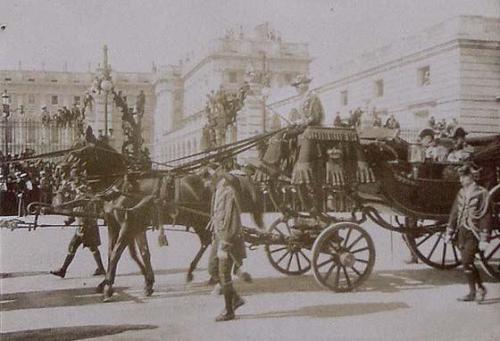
(470, 220)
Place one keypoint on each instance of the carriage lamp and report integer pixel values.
(106, 85)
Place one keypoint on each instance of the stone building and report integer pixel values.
(450, 70)
(33, 89)
(181, 90)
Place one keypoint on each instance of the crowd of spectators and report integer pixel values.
(63, 117)
(26, 181)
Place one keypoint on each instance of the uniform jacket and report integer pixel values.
(226, 219)
(468, 205)
(312, 110)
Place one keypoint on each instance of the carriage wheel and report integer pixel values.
(431, 249)
(490, 259)
(291, 258)
(343, 257)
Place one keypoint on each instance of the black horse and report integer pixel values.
(138, 200)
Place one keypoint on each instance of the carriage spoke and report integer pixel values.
(346, 277)
(325, 262)
(493, 252)
(455, 253)
(443, 261)
(435, 245)
(347, 237)
(356, 271)
(289, 262)
(279, 249)
(424, 240)
(298, 261)
(337, 278)
(359, 250)
(361, 260)
(355, 242)
(329, 272)
(306, 258)
(283, 256)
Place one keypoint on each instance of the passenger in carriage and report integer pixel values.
(470, 221)
(434, 150)
(461, 150)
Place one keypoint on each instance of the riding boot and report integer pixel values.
(237, 300)
(471, 281)
(228, 313)
(481, 290)
(100, 267)
(62, 271)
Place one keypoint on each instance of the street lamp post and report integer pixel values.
(106, 86)
(5, 114)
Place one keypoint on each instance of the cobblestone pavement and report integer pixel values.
(397, 302)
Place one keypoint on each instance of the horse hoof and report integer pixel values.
(100, 288)
(108, 293)
(189, 277)
(148, 291)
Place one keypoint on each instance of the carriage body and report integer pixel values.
(422, 203)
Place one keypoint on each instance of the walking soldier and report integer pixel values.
(228, 240)
(86, 234)
(471, 220)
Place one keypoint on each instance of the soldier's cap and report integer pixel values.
(458, 132)
(426, 132)
(301, 79)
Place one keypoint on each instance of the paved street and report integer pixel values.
(398, 301)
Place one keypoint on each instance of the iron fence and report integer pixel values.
(19, 135)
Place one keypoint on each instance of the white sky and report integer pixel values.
(139, 32)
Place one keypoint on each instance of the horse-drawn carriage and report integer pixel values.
(340, 252)
(369, 176)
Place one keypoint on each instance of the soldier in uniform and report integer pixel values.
(470, 220)
(228, 240)
(311, 113)
(86, 234)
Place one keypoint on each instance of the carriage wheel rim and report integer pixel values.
(290, 258)
(348, 268)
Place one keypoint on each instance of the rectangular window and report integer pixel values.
(76, 99)
(424, 76)
(53, 80)
(233, 77)
(31, 79)
(343, 97)
(54, 100)
(31, 99)
(7, 79)
(379, 88)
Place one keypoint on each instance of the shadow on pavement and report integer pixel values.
(73, 333)
(22, 274)
(59, 298)
(330, 310)
(162, 272)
